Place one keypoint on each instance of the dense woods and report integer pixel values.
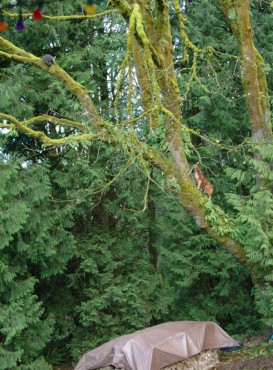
(103, 230)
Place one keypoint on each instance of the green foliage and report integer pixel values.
(255, 221)
(204, 282)
(112, 285)
(31, 250)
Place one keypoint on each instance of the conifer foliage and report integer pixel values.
(34, 247)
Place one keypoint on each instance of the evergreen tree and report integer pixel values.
(35, 246)
(113, 285)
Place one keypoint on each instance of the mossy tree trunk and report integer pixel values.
(253, 67)
(237, 14)
(176, 168)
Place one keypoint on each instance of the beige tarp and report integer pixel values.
(158, 346)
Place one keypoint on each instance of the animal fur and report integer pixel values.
(202, 181)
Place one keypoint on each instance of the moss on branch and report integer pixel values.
(123, 7)
(126, 11)
(253, 73)
(198, 206)
(136, 25)
(62, 17)
(55, 121)
(41, 136)
(11, 51)
(188, 43)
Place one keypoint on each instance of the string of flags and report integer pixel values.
(37, 13)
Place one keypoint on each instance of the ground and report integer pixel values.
(257, 354)
(241, 362)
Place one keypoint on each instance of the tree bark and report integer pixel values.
(177, 168)
(253, 68)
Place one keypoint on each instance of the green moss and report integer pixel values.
(124, 8)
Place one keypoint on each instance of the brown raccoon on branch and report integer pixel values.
(202, 181)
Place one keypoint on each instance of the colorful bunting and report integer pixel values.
(90, 8)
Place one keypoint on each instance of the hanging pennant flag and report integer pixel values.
(20, 25)
(37, 14)
(3, 25)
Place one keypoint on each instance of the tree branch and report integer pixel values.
(20, 55)
(126, 10)
(197, 204)
(55, 121)
(185, 190)
(41, 136)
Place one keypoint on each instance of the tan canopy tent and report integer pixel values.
(157, 346)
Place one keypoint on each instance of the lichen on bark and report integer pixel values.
(253, 68)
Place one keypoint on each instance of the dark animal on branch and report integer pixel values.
(48, 59)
